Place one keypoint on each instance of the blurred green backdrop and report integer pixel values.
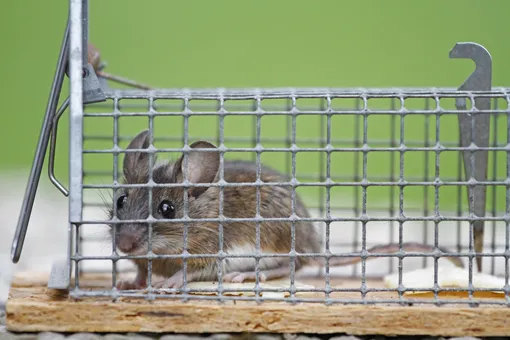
(297, 43)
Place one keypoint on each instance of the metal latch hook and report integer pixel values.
(474, 128)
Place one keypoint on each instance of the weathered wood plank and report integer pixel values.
(32, 307)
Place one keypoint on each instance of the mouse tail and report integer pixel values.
(389, 249)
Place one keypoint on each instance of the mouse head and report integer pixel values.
(167, 203)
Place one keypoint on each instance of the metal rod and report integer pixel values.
(123, 80)
(76, 114)
(35, 172)
(76, 74)
(84, 31)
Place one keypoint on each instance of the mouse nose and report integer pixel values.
(126, 243)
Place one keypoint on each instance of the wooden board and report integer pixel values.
(31, 307)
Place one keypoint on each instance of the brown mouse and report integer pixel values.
(203, 237)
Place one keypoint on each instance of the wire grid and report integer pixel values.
(332, 129)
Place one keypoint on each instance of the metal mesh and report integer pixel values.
(372, 166)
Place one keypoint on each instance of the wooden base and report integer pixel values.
(31, 307)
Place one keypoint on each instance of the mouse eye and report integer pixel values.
(167, 209)
(120, 201)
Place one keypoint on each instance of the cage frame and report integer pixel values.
(85, 88)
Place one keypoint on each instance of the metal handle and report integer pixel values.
(53, 146)
(35, 172)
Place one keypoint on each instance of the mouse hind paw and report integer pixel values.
(265, 275)
(239, 277)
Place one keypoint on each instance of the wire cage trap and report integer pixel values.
(364, 167)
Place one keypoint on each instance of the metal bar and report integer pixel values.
(391, 200)
(410, 144)
(367, 148)
(367, 219)
(76, 67)
(293, 201)
(327, 228)
(35, 172)
(356, 177)
(310, 113)
(258, 128)
(151, 166)
(85, 31)
(437, 213)
(459, 197)
(76, 113)
(426, 177)
(166, 109)
(221, 204)
(333, 93)
(400, 204)
(342, 178)
(364, 204)
(301, 184)
(116, 175)
(494, 199)
(252, 255)
(322, 177)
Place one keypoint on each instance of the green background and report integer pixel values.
(197, 44)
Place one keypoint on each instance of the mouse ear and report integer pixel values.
(136, 163)
(202, 167)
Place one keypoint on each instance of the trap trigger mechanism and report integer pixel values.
(92, 93)
(94, 89)
(474, 129)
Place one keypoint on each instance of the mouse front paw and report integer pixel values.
(138, 283)
(128, 285)
(176, 281)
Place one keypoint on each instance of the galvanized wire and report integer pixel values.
(326, 143)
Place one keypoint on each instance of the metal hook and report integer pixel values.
(479, 80)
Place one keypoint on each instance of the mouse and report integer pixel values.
(239, 237)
